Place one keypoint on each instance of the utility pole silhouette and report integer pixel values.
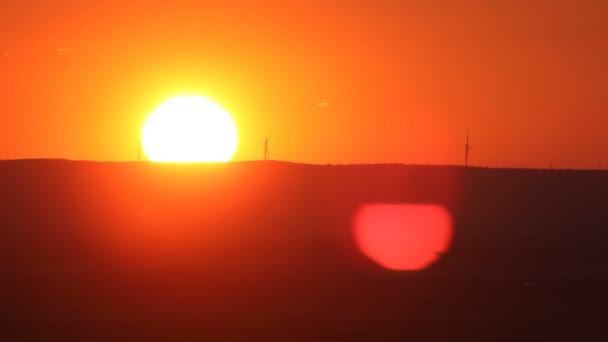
(467, 148)
(266, 154)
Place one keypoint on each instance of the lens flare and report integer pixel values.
(405, 237)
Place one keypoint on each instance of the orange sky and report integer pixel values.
(403, 79)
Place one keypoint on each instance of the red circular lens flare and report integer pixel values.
(404, 237)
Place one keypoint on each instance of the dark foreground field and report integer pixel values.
(264, 251)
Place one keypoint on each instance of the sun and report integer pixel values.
(189, 129)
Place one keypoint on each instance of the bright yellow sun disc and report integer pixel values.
(189, 129)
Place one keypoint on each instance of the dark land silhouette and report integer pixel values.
(264, 251)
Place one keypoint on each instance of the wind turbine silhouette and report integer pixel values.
(138, 150)
(467, 148)
(266, 154)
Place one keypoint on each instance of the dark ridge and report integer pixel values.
(265, 250)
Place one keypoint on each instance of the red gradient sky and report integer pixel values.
(403, 79)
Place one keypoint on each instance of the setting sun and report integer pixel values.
(189, 129)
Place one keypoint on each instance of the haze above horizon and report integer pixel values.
(338, 81)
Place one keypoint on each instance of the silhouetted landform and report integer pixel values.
(264, 251)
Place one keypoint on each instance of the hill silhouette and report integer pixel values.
(264, 250)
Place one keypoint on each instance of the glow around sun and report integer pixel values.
(189, 129)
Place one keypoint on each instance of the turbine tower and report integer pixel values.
(139, 150)
(266, 154)
(467, 148)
